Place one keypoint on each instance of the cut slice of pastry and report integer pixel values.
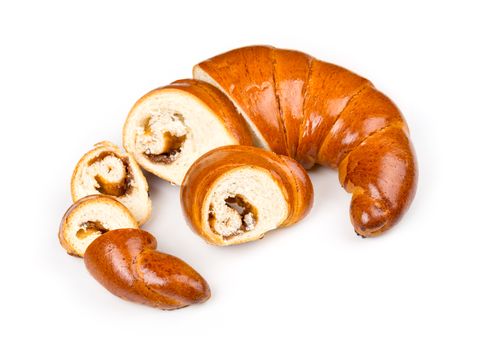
(235, 194)
(90, 217)
(109, 171)
(170, 127)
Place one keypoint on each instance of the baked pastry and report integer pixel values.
(235, 194)
(317, 112)
(126, 263)
(170, 127)
(89, 218)
(109, 171)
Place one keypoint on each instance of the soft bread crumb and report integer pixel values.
(267, 207)
(151, 139)
(95, 215)
(110, 168)
(106, 170)
(202, 128)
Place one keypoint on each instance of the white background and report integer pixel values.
(69, 74)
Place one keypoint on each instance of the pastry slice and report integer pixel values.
(170, 127)
(89, 218)
(109, 171)
(235, 194)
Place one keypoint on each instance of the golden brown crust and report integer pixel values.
(126, 263)
(330, 88)
(367, 113)
(292, 69)
(246, 75)
(381, 173)
(289, 175)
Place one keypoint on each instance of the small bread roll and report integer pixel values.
(89, 218)
(109, 171)
(170, 127)
(235, 194)
(128, 265)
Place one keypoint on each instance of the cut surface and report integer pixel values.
(260, 141)
(163, 137)
(169, 129)
(243, 204)
(108, 174)
(106, 170)
(89, 218)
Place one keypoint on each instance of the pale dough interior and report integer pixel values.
(258, 190)
(167, 113)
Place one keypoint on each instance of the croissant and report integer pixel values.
(89, 218)
(107, 170)
(170, 127)
(235, 194)
(320, 113)
(126, 263)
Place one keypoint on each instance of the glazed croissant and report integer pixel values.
(235, 194)
(126, 263)
(317, 112)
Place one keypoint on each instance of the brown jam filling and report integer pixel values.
(173, 146)
(90, 227)
(243, 208)
(116, 189)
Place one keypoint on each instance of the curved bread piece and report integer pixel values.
(126, 263)
(339, 116)
(89, 218)
(234, 194)
(170, 127)
(109, 171)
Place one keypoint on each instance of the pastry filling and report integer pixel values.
(111, 174)
(89, 228)
(163, 136)
(237, 216)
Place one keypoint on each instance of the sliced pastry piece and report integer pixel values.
(170, 127)
(235, 194)
(109, 171)
(89, 218)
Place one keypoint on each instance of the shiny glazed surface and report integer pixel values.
(126, 263)
(343, 122)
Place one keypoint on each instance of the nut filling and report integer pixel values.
(112, 174)
(237, 217)
(163, 136)
(89, 228)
